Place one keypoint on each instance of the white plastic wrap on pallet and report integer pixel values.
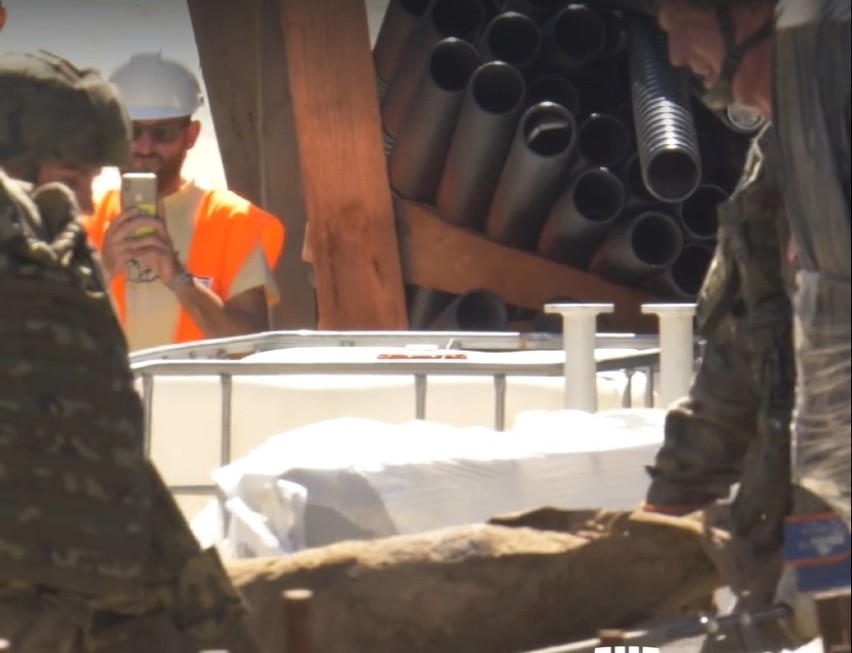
(356, 478)
(186, 413)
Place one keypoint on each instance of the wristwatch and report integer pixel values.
(181, 278)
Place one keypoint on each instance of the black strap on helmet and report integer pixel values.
(735, 52)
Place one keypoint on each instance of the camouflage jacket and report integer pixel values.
(74, 491)
(733, 427)
(83, 513)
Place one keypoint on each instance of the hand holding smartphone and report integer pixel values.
(139, 190)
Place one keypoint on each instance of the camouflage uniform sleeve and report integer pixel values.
(741, 395)
(707, 434)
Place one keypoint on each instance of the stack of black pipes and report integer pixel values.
(558, 128)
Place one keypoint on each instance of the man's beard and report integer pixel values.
(167, 170)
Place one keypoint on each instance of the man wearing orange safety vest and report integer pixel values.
(204, 268)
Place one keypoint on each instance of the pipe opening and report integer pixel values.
(603, 140)
(698, 211)
(656, 239)
(672, 175)
(459, 18)
(548, 129)
(579, 32)
(481, 311)
(452, 63)
(553, 88)
(497, 87)
(690, 267)
(514, 38)
(598, 195)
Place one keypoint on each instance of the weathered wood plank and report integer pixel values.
(245, 74)
(225, 36)
(439, 255)
(352, 236)
(281, 175)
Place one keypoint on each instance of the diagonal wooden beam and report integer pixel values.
(439, 255)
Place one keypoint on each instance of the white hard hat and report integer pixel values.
(154, 88)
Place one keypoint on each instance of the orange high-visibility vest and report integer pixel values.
(227, 229)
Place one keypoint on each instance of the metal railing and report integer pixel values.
(149, 365)
(470, 340)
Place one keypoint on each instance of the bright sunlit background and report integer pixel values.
(104, 33)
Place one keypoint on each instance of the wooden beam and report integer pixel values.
(352, 236)
(439, 255)
(280, 173)
(224, 31)
(245, 75)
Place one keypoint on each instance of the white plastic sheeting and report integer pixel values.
(359, 478)
(186, 415)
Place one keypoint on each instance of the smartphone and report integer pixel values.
(139, 189)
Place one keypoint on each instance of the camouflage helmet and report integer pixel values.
(51, 110)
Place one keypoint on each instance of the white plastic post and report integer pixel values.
(676, 349)
(579, 322)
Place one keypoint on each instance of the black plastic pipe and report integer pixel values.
(537, 163)
(539, 10)
(638, 247)
(463, 19)
(424, 305)
(616, 34)
(513, 38)
(637, 194)
(551, 322)
(420, 149)
(710, 154)
(698, 213)
(475, 310)
(594, 91)
(682, 280)
(550, 87)
(398, 24)
(581, 217)
(603, 140)
(574, 37)
(483, 136)
(665, 130)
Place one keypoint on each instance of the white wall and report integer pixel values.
(104, 33)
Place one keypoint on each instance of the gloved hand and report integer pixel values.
(816, 559)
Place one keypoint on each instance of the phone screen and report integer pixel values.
(139, 190)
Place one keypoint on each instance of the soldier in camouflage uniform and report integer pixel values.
(789, 60)
(94, 554)
(734, 426)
